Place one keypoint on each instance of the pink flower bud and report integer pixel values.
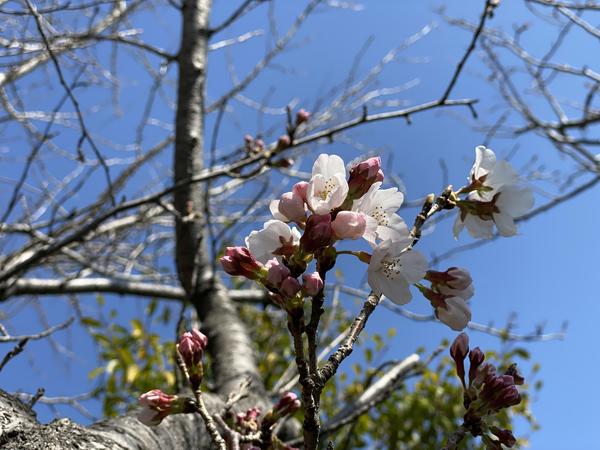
(476, 358)
(302, 116)
(283, 142)
(312, 283)
(191, 346)
(288, 404)
(289, 287)
(239, 261)
(453, 282)
(349, 225)
(291, 205)
(456, 313)
(458, 278)
(363, 175)
(458, 352)
(277, 272)
(248, 139)
(301, 188)
(156, 405)
(317, 233)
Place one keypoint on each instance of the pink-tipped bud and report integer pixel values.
(312, 284)
(453, 282)
(156, 405)
(476, 358)
(288, 404)
(248, 139)
(239, 261)
(349, 225)
(289, 287)
(276, 272)
(283, 142)
(456, 313)
(302, 116)
(291, 205)
(363, 175)
(301, 188)
(191, 346)
(317, 233)
(458, 352)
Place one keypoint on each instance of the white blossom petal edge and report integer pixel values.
(393, 269)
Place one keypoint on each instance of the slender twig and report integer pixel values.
(14, 352)
(40, 335)
(488, 8)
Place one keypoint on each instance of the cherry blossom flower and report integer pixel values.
(275, 239)
(479, 218)
(495, 198)
(380, 206)
(393, 269)
(328, 187)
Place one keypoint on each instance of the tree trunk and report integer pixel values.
(230, 347)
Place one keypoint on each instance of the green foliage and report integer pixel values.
(133, 359)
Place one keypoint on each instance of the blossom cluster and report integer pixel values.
(336, 205)
(331, 207)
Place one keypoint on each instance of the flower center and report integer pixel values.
(380, 216)
(329, 187)
(390, 268)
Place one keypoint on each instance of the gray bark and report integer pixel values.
(19, 430)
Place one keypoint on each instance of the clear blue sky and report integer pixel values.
(543, 274)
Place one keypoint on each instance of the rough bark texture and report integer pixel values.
(189, 136)
(19, 430)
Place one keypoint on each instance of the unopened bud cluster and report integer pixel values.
(156, 405)
(485, 392)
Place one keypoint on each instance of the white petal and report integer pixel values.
(485, 160)
(465, 294)
(414, 266)
(502, 175)
(389, 199)
(505, 224)
(371, 231)
(459, 225)
(397, 290)
(274, 208)
(479, 228)
(515, 201)
(329, 165)
(458, 314)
